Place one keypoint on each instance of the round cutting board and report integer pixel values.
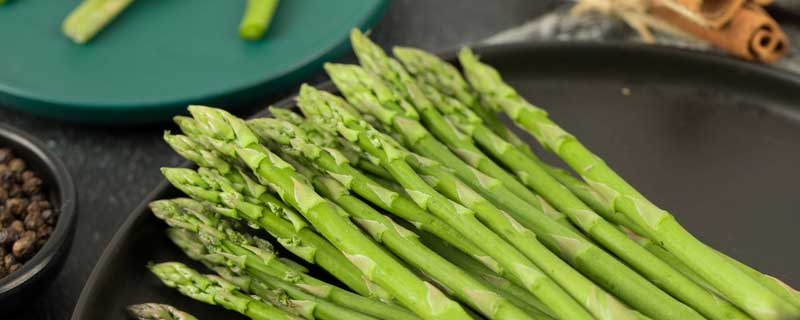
(159, 56)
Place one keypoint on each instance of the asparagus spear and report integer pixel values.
(397, 79)
(261, 284)
(216, 291)
(405, 244)
(276, 297)
(207, 238)
(419, 296)
(337, 164)
(257, 17)
(367, 95)
(91, 16)
(370, 95)
(514, 293)
(299, 241)
(658, 224)
(539, 179)
(267, 213)
(432, 72)
(325, 107)
(157, 311)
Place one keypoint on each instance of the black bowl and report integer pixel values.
(37, 272)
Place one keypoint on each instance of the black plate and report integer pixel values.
(715, 140)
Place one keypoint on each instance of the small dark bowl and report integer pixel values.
(38, 272)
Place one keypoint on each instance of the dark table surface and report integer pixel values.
(114, 168)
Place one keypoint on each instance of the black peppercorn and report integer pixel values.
(24, 247)
(16, 165)
(27, 219)
(5, 155)
(33, 220)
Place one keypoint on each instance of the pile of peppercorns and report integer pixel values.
(26, 217)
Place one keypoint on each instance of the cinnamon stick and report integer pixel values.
(750, 33)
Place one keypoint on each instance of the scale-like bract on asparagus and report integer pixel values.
(540, 179)
(331, 113)
(656, 223)
(216, 291)
(206, 237)
(419, 296)
(156, 311)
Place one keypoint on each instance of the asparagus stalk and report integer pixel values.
(513, 292)
(267, 213)
(91, 16)
(276, 297)
(657, 223)
(262, 284)
(325, 107)
(297, 141)
(397, 79)
(539, 179)
(370, 95)
(376, 265)
(434, 72)
(405, 244)
(367, 95)
(257, 17)
(207, 238)
(216, 291)
(581, 288)
(300, 241)
(157, 311)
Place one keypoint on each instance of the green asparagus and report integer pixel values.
(376, 265)
(369, 96)
(257, 17)
(91, 16)
(657, 223)
(206, 237)
(397, 79)
(325, 107)
(552, 191)
(337, 165)
(216, 291)
(405, 244)
(156, 311)
(267, 213)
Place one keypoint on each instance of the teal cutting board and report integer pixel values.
(161, 55)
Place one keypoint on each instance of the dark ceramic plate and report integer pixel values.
(715, 140)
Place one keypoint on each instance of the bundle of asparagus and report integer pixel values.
(413, 194)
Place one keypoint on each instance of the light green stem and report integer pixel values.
(256, 19)
(91, 16)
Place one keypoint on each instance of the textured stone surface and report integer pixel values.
(114, 168)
